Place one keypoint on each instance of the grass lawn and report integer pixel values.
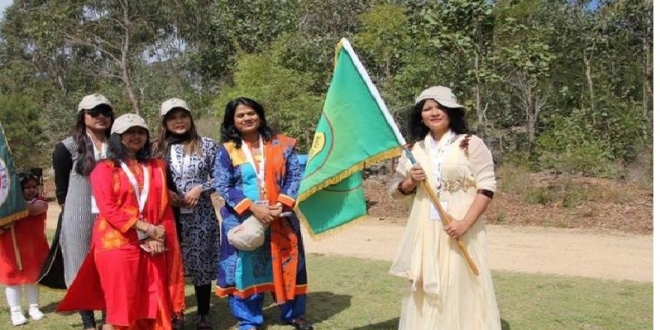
(348, 293)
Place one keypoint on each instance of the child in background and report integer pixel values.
(33, 247)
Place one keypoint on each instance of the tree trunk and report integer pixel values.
(590, 83)
(531, 117)
(125, 73)
(477, 96)
(648, 75)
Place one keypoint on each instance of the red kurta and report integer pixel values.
(133, 285)
(33, 248)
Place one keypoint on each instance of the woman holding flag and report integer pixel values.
(445, 292)
(258, 175)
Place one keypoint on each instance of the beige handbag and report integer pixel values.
(247, 236)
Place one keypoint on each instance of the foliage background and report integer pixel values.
(557, 85)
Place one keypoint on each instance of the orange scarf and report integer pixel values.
(283, 238)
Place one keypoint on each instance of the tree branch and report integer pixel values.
(78, 41)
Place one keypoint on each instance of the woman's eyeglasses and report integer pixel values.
(97, 112)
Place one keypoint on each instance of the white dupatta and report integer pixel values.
(418, 255)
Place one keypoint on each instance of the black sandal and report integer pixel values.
(178, 323)
(301, 324)
(204, 323)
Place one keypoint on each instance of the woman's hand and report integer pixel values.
(156, 232)
(154, 246)
(175, 199)
(191, 198)
(262, 213)
(275, 210)
(456, 229)
(417, 174)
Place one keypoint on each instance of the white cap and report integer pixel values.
(173, 103)
(442, 95)
(124, 122)
(247, 236)
(92, 101)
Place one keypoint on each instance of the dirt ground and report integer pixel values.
(569, 252)
(558, 251)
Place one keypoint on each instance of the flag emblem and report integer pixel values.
(354, 131)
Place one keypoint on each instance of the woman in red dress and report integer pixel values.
(135, 259)
(32, 245)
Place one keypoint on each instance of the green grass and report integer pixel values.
(348, 293)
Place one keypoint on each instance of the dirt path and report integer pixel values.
(520, 249)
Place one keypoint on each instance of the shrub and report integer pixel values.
(569, 147)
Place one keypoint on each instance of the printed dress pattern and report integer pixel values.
(200, 232)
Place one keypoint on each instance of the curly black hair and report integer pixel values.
(228, 131)
(417, 130)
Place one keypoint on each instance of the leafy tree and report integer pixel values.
(286, 95)
(573, 78)
(525, 57)
(382, 42)
(20, 120)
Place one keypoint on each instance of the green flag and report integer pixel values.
(12, 204)
(355, 130)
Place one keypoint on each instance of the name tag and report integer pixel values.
(95, 208)
(185, 210)
(262, 203)
(435, 215)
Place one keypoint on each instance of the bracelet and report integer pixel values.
(151, 230)
(141, 234)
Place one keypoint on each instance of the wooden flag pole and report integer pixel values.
(17, 252)
(446, 219)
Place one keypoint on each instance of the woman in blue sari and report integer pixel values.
(258, 175)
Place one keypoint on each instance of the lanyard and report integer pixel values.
(248, 155)
(437, 156)
(177, 164)
(99, 154)
(140, 195)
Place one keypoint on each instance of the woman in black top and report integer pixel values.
(73, 160)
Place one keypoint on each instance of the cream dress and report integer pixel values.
(441, 291)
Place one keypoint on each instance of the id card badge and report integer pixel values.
(186, 210)
(435, 215)
(94, 207)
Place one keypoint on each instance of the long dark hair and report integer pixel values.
(228, 131)
(162, 141)
(117, 151)
(418, 130)
(87, 159)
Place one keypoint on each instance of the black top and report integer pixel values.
(62, 165)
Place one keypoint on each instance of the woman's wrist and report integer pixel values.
(407, 186)
(151, 230)
(142, 226)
